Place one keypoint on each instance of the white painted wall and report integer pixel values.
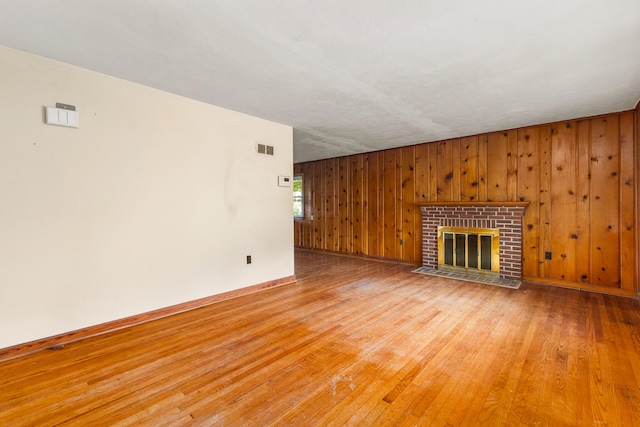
(155, 200)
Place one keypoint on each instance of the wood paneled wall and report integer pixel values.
(580, 178)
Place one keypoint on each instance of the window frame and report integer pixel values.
(298, 177)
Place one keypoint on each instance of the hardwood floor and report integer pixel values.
(354, 342)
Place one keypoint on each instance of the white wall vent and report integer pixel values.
(265, 149)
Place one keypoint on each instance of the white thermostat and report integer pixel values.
(284, 181)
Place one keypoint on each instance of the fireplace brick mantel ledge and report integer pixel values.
(481, 204)
(505, 216)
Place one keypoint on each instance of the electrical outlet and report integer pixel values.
(547, 255)
(248, 259)
(401, 242)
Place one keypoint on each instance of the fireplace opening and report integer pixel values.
(473, 251)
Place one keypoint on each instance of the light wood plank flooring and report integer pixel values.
(354, 342)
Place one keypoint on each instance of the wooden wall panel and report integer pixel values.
(444, 167)
(433, 171)
(563, 225)
(469, 168)
(389, 233)
(456, 169)
(344, 206)
(580, 178)
(497, 148)
(399, 212)
(583, 207)
(318, 220)
(422, 173)
(544, 203)
(528, 189)
(512, 166)
(483, 142)
(605, 202)
(637, 195)
(374, 203)
(627, 202)
(358, 190)
(330, 195)
(410, 213)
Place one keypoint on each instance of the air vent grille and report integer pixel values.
(265, 149)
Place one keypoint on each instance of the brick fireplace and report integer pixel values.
(504, 216)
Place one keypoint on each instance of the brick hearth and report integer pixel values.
(507, 217)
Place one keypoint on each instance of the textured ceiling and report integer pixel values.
(360, 75)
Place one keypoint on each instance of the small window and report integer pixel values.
(298, 197)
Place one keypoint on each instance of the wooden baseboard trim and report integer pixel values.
(103, 328)
(583, 287)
